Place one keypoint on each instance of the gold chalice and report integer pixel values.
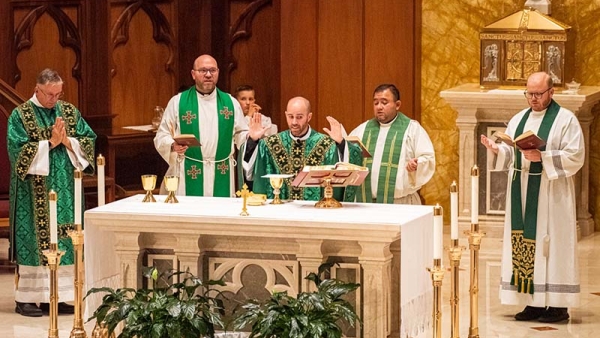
(149, 183)
(171, 183)
(276, 181)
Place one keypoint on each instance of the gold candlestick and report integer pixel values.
(455, 253)
(244, 193)
(148, 183)
(475, 237)
(437, 276)
(53, 255)
(78, 330)
(171, 183)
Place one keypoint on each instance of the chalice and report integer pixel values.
(148, 183)
(171, 183)
(276, 181)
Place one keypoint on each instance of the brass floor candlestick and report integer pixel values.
(455, 253)
(437, 275)
(474, 244)
(53, 255)
(78, 330)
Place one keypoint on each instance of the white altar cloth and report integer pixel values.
(371, 225)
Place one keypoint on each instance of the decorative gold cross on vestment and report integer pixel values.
(194, 172)
(225, 111)
(223, 167)
(188, 117)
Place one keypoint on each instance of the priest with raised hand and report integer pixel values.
(403, 157)
(289, 151)
(216, 119)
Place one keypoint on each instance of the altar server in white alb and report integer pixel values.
(539, 257)
(403, 157)
(217, 121)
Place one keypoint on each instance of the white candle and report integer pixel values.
(78, 176)
(453, 210)
(438, 221)
(53, 214)
(101, 186)
(475, 195)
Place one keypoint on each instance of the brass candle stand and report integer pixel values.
(475, 237)
(455, 254)
(437, 276)
(53, 255)
(78, 330)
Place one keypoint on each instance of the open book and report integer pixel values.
(187, 140)
(526, 141)
(341, 174)
(357, 140)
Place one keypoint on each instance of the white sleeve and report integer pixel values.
(77, 156)
(40, 165)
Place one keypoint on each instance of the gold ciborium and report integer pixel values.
(171, 183)
(149, 183)
(276, 181)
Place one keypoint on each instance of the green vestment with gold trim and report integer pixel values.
(29, 214)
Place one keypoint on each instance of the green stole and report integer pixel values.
(389, 161)
(193, 164)
(523, 229)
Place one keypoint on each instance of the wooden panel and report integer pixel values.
(255, 53)
(389, 51)
(298, 52)
(340, 70)
(142, 63)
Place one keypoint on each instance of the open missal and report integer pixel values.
(341, 174)
(356, 140)
(187, 140)
(526, 141)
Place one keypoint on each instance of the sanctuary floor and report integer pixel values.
(495, 320)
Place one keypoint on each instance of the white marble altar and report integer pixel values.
(477, 105)
(291, 240)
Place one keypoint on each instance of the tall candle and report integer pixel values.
(438, 221)
(53, 215)
(78, 176)
(101, 186)
(475, 195)
(453, 210)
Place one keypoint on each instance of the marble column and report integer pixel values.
(189, 254)
(129, 253)
(375, 260)
(310, 257)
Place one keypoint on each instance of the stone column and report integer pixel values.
(189, 254)
(375, 260)
(467, 126)
(585, 222)
(127, 248)
(310, 257)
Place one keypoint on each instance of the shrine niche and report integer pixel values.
(521, 44)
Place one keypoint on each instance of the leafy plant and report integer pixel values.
(182, 309)
(310, 315)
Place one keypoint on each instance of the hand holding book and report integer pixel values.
(526, 141)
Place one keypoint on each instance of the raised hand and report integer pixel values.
(489, 144)
(256, 131)
(335, 130)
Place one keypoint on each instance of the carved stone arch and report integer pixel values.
(161, 30)
(67, 31)
(242, 29)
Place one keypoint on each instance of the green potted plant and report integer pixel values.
(179, 309)
(309, 315)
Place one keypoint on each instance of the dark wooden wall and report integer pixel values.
(120, 58)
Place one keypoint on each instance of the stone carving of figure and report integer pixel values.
(553, 63)
(491, 63)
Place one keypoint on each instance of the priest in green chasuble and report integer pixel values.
(47, 139)
(289, 151)
(216, 119)
(403, 157)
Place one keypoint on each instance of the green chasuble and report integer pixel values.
(29, 214)
(194, 166)
(280, 154)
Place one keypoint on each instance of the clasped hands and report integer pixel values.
(335, 132)
(59, 134)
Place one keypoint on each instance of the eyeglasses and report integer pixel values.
(536, 95)
(52, 96)
(205, 71)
